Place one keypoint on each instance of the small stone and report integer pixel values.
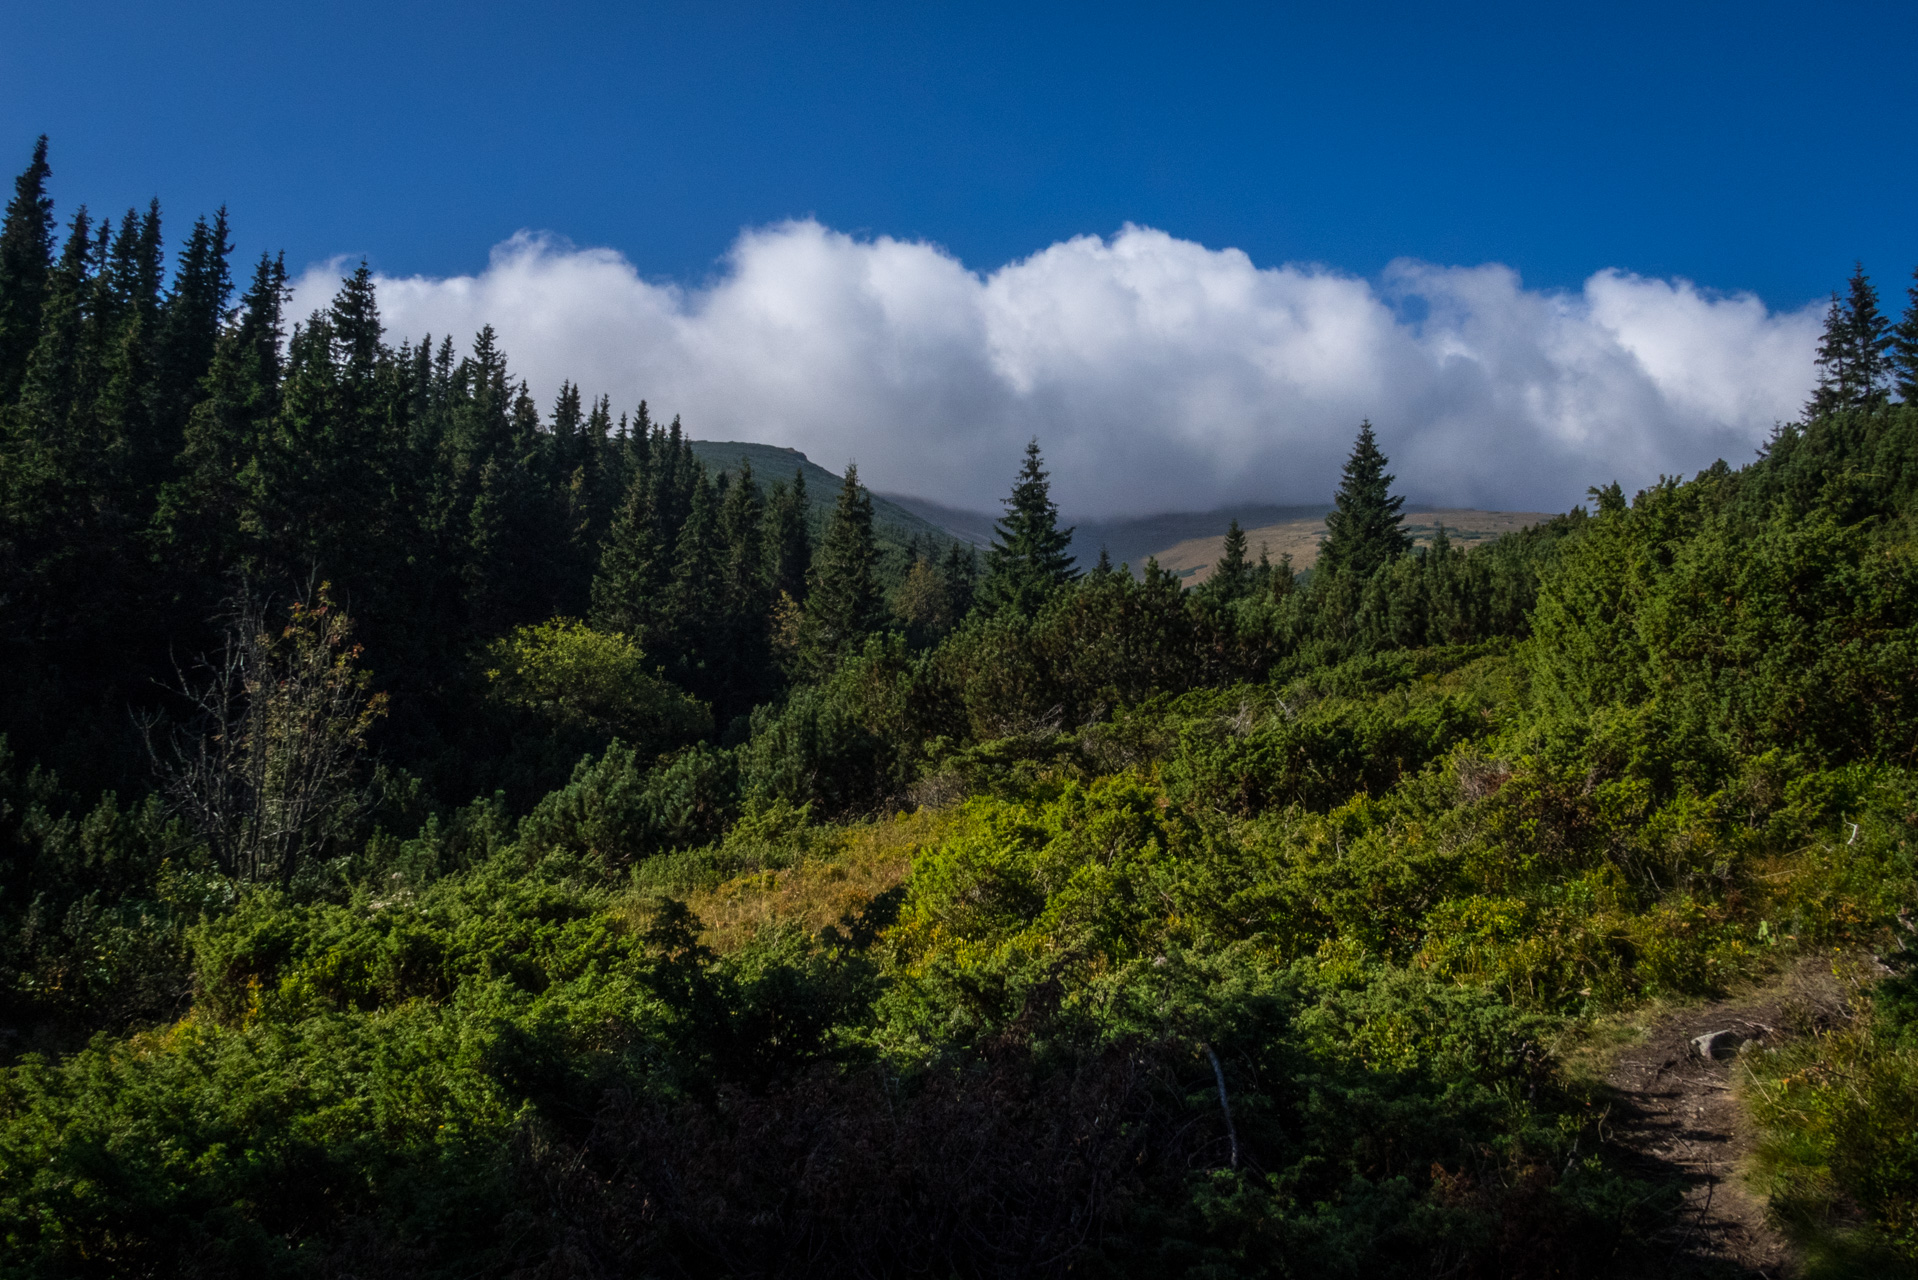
(1716, 1044)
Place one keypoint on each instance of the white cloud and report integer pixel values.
(1158, 374)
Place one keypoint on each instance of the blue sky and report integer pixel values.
(1540, 246)
(1747, 146)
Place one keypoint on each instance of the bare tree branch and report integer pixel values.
(266, 772)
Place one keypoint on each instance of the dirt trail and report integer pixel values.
(1674, 1112)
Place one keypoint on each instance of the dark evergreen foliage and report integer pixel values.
(1232, 576)
(26, 262)
(1027, 560)
(1853, 352)
(844, 602)
(1904, 348)
(1362, 531)
(788, 539)
(1106, 929)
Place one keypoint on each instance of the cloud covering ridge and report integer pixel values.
(1158, 374)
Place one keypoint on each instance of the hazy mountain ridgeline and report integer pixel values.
(442, 834)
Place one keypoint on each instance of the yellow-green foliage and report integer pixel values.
(813, 878)
(1839, 1110)
(569, 675)
(1235, 912)
(1104, 871)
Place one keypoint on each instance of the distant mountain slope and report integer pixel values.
(770, 463)
(1192, 559)
(1130, 541)
(975, 527)
(1185, 542)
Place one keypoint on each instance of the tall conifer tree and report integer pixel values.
(1853, 361)
(190, 323)
(789, 539)
(26, 263)
(696, 599)
(742, 524)
(51, 387)
(747, 599)
(1362, 531)
(1028, 560)
(632, 567)
(1231, 575)
(1904, 348)
(843, 602)
(961, 571)
(199, 525)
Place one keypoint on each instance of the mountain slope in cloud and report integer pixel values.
(1157, 374)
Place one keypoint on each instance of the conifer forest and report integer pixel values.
(445, 834)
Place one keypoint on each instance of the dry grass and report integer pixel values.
(1300, 539)
(864, 861)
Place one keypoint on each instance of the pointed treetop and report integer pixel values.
(1028, 559)
(1231, 574)
(356, 321)
(26, 262)
(788, 539)
(1362, 531)
(843, 603)
(1853, 361)
(1904, 348)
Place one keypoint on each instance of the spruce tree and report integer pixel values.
(1362, 531)
(26, 264)
(330, 493)
(789, 539)
(1904, 348)
(695, 602)
(52, 384)
(1260, 578)
(1028, 560)
(1285, 578)
(1853, 360)
(742, 521)
(1231, 575)
(843, 600)
(190, 322)
(961, 572)
(571, 464)
(199, 525)
(746, 605)
(632, 569)
(569, 423)
(133, 268)
(600, 472)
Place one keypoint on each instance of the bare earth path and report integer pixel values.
(1675, 1113)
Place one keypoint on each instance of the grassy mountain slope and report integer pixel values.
(1129, 540)
(1192, 559)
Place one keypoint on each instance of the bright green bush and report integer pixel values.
(570, 676)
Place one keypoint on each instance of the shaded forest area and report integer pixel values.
(446, 835)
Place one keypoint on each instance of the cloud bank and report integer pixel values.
(1157, 374)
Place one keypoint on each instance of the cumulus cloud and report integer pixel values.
(1157, 374)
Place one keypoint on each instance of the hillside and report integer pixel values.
(975, 527)
(439, 840)
(1192, 559)
(1130, 539)
(772, 463)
